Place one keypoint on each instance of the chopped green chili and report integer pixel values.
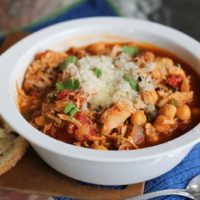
(68, 84)
(71, 109)
(98, 72)
(73, 112)
(131, 50)
(71, 59)
(59, 86)
(134, 85)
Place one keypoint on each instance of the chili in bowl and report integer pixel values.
(110, 96)
(104, 100)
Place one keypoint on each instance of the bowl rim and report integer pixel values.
(10, 113)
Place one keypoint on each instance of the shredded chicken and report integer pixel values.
(114, 117)
(181, 97)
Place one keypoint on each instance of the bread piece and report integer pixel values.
(6, 143)
(3, 133)
(12, 147)
(13, 154)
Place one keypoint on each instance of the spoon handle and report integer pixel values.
(180, 192)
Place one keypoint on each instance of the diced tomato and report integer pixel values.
(62, 94)
(62, 134)
(82, 117)
(174, 81)
(90, 131)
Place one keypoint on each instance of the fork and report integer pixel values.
(181, 192)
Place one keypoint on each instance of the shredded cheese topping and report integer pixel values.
(111, 87)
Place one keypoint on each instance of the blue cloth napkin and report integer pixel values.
(178, 177)
(190, 166)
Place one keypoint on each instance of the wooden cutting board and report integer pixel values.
(32, 175)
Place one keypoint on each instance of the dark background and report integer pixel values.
(183, 15)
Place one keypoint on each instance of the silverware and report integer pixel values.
(192, 191)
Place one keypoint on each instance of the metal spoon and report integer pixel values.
(192, 191)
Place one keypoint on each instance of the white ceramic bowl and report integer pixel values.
(100, 167)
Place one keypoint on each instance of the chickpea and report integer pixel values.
(100, 147)
(167, 62)
(157, 73)
(148, 56)
(151, 134)
(138, 118)
(150, 97)
(183, 113)
(97, 48)
(77, 52)
(168, 110)
(185, 86)
(160, 124)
